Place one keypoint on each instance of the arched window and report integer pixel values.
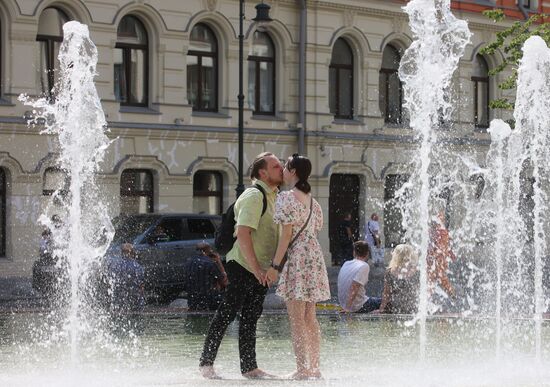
(341, 80)
(3, 195)
(131, 63)
(391, 90)
(208, 192)
(202, 69)
(480, 79)
(136, 191)
(261, 75)
(50, 36)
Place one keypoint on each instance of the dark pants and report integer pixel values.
(246, 295)
(196, 302)
(372, 303)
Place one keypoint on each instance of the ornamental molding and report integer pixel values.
(211, 5)
(349, 18)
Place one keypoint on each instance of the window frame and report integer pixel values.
(257, 60)
(140, 193)
(477, 81)
(50, 41)
(214, 55)
(337, 67)
(126, 64)
(387, 73)
(206, 193)
(63, 191)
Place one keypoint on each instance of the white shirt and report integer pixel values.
(353, 271)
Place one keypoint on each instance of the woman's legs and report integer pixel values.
(313, 340)
(296, 316)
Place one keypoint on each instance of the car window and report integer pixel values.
(169, 230)
(200, 228)
(129, 228)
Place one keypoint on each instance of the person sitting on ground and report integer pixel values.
(126, 279)
(401, 282)
(352, 282)
(205, 279)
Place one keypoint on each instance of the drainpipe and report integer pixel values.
(302, 78)
(523, 10)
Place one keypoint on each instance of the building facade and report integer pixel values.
(168, 81)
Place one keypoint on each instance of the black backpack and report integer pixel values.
(224, 239)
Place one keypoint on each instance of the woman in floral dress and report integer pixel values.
(303, 280)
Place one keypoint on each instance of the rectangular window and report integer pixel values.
(345, 104)
(169, 230)
(138, 71)
(266, 87)
(208, 83)
(136, 191)
(252, 85)
(332, 98)
(192, 79)
(55, 179)
(199, 228)
(119, 76)
(207, 192)
(481, 102)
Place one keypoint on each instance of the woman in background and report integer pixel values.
(401, 282)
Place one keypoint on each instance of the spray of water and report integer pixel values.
(82, 236)
(500, 131)
(533, 131)
(426, 71)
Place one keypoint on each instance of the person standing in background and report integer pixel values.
(345, 240)
(372, 237)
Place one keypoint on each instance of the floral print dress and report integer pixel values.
(304, 276)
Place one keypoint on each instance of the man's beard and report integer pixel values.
(274, 182)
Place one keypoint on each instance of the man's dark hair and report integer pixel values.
(361, 249)
(259, 163)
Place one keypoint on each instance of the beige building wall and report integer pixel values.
(174, 142)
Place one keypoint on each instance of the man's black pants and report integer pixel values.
(245, 294)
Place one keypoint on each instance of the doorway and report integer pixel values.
(343, 198)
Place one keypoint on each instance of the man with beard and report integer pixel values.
(247, 263)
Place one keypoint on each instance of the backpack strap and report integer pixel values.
(259, 188)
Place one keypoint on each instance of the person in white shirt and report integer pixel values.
(352, 282)
(372, 237)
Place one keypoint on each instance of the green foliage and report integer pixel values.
(510, 42)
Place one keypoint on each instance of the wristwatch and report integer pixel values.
(279, 268)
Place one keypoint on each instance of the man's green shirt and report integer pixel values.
(265, 233)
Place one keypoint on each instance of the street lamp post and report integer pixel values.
(262, 15)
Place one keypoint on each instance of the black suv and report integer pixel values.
(163, 243)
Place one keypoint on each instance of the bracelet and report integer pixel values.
(279, 268)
